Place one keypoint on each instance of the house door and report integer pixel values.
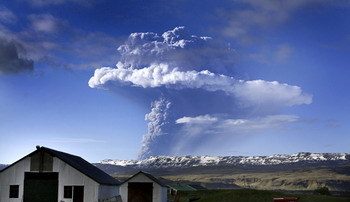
(140, 192)
(41, 187)
(78, 194)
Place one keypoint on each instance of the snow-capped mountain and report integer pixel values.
(2, 166)
(300, 171)
(196, 161)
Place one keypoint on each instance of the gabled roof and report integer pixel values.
(150, 176)
(181, 187)
(78, 163)
(197, 186)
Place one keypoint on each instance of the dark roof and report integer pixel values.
(150, 176)
(181, 187)
(78, 163)
(197, 186)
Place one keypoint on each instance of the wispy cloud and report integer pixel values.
(273, 55)
(333, 123)
(205, 129)
(6, 15)
(41, 3)
(45, 23)
(39, 41)
(238, 125)
(11, 61)
(72, 140)
(260, 15)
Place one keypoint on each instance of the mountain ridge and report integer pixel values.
(194, 161)
(300, 171)
(2, 166)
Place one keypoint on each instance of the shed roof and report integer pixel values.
(182, 187)
(78, 163)
(150, 176)
(197, 186)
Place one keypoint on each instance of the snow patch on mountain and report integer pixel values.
(194, 161)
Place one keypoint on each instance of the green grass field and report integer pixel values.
(250, 196)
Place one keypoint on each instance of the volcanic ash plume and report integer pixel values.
(194, 75)
(157, 119)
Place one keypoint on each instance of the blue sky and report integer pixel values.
(195, 78)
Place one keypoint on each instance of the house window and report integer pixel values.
(68, 192)
(14, 191)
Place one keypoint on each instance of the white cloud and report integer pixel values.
(272, 93)
(157, 75)
(235, 126)
(250, 93)
(177, 48)
(45, 23)
(203, 119)
(149, 60)
(154, 44)
(7, 16)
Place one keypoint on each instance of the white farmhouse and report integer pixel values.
(47, 175)
(143, 187)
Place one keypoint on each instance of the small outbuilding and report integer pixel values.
(47, 175)
(143, 187)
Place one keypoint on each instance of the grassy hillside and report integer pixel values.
(307, 177)
(250, 196)
(281, 180)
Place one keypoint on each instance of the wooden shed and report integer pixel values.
(143, 187)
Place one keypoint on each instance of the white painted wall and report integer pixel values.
(13, 176)
(159, 192)
(68, 176)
